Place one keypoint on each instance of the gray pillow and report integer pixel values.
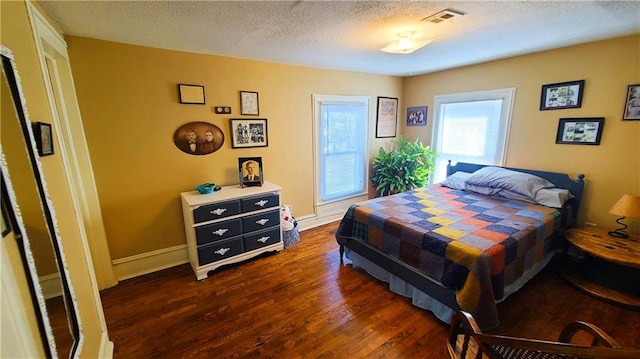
(501, 178)
(553, 197)
(456, 180)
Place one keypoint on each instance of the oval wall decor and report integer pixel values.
(198, 138)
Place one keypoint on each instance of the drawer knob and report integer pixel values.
(222, 251)
(218, 211)
(262, 221)
(264, 239)
(262, 202)
(220, 231)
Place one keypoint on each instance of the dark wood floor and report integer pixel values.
(303, 303)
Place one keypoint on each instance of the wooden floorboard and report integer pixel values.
(303, 303)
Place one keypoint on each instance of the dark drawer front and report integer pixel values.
(220, 250)
(217, 231)
(261, 221)
(261, 202)
(261, 239)
(216, 210)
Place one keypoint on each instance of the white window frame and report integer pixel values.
(337, 206)
(507, 95)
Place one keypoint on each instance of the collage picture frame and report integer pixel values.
(562, 95)
(580, 131)
(248, 132)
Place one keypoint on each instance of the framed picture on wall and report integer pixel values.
(249, 103)
(632, 104)
(191, 94)
(249, 132)
(387, 119)
(44, 138)
(417, 116)
(562, 95)
(580, 131)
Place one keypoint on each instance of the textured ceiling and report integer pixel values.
(347, 35)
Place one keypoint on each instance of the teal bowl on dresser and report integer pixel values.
(206, 188)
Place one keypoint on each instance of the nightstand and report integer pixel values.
(604, 266)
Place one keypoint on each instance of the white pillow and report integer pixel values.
(518, 182)
(456, 180)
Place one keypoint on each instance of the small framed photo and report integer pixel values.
(249, 132)
(632, 104)
(249, 103)
(191, 94)
(417, 116)
(580, 131)
(44, 138)
(250, 171)
(562, 95)
(387, 119)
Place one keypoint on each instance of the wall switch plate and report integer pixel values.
(222, 110)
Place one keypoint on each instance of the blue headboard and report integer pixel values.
(560, 180)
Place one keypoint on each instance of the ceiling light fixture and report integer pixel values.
(405, 44)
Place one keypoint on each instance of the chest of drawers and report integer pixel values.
(231, 225)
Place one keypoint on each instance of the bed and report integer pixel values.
(466, 243)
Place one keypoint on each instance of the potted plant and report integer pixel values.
(406, 166)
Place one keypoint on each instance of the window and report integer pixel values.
(471, 127)
(341, 146)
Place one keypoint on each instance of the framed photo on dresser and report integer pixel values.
(250, 171)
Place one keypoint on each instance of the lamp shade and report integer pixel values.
(627, 206)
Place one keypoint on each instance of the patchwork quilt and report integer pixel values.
(471, 243)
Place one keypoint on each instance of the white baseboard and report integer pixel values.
(312, 221)
(145, 263)
(327, 213)
(106, 347)
(50, 285)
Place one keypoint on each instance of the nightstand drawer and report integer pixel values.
(261, 221)
(262, 202)
(217, 231)
(219, 250)
(215, 211)
(261, 239)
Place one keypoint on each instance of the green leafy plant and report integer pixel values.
(406, 166)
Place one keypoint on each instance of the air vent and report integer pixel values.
(443, 15)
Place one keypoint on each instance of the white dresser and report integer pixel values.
(231, 225)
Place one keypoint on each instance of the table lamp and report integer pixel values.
(627, 206)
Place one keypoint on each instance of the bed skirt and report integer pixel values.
(423, 300)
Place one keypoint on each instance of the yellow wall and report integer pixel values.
(608, 67)
(18, 37)
(128, 99)
(129, 103)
